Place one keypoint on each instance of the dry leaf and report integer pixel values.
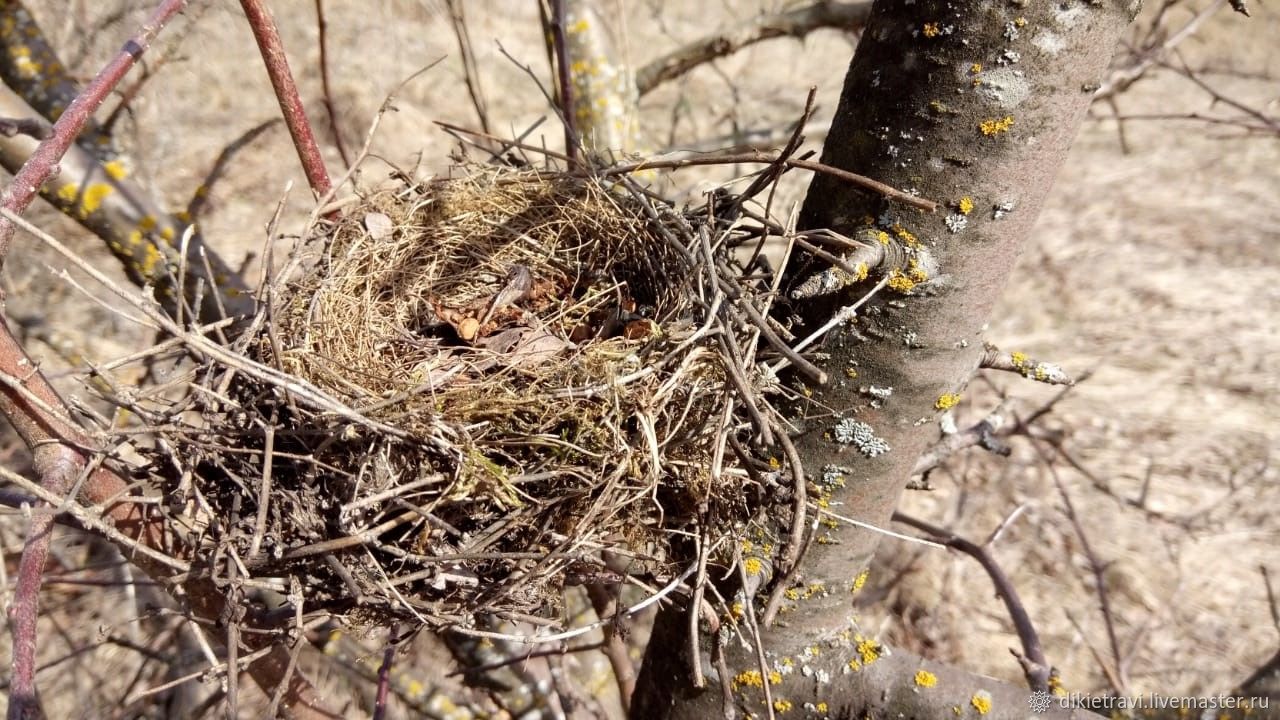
(378, 225)
(536, 348)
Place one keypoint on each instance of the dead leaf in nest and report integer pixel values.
(378, 225)
(514, 288)
(504, 341)
(536, 348)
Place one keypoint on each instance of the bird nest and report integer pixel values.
(471, 392)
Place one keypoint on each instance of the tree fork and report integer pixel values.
(975, 105)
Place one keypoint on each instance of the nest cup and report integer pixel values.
(530, 395)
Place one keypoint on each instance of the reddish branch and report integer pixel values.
(61, 450)
(295, 116)
(44, 162)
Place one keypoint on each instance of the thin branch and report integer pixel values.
(295, 115)
(329, 108)
(1028, 367)
(1034, 665)
(470, 69)
(1096, 567)
(32, 127)
(795, 23)
(43, 162)
(564, 78)
(770, 158)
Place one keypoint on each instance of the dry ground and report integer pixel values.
(1157, 269)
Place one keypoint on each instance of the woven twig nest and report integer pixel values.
(519, 383)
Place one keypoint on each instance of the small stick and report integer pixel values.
(36, 128)
(326, 88)
(772, 158)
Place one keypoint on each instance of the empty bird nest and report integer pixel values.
(465, 394)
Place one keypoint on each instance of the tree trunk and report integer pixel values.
(974, 105)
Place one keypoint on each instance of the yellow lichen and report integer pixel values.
(753, 566)
(915, 272)
(861, 580)
(69, 192)
(932, 30)
(1055, 685)
(883, 237)
(748, 678)
(947, 401)
(821, 707)
(1020, 22)
(965, 205)
(975, 68)
(981, 701)
(899, 282)
(1019, 358)
(868, 649)
(850, 373)
(781, 706)
(115, 170)
(995, 126)
(792, 594)
(150, 260)
(774, 463)
(905, 236)
(926, 679)
(93, 197)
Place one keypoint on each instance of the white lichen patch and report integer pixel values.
(1069, 15)
(860, 435)
(1049, 42)
(955, 222)
(1001, 209)
(1007, 86)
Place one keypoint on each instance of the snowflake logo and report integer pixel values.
(1040, 701)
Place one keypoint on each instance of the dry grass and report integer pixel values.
(1157, 268)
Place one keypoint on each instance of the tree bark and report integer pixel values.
(974, 105)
